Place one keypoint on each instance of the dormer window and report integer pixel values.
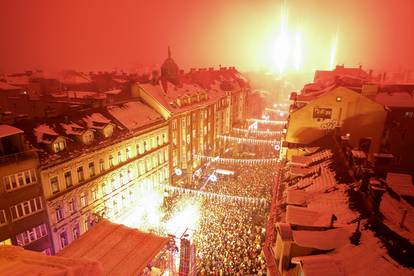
(88, 137)
(59, 146)
(108, 130)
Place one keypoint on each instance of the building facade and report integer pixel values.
(23, 217)
(337, 108)
(96, 164)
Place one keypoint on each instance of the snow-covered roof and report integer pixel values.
(320, 265)
(96, 121)
(113, 92)
(44, 134)
(73, 77)
(306, 217)
(133, 115)
(79, 95)
(305, 161)
(396, 99)
(121, 250)
(323, 240)
(6, 130)
(168, 95)
(15, 260)
(296, 197)
(72, 128)
(21, 80)
(7, 86)
(402, 184)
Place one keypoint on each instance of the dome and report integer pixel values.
(169, 69)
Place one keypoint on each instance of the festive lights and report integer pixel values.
(263, 133)
(267, 122)
(236, 161)
(227, 138)
(210, 195)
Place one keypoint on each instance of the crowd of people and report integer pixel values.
(248, 181)
(230, 233)
(229, 239)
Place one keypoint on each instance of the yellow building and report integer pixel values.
(340, 108)
(96, 163)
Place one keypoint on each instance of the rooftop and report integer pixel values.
(120, 250)
(15, 260)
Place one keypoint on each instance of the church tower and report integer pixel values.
(169, 69)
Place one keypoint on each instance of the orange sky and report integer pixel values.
(97, 34)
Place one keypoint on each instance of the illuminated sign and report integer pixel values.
(322, 113)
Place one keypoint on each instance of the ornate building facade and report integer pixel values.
(95, 164)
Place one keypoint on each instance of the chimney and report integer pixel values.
(333, 218)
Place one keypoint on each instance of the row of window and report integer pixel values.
(19, 180)
(54, 180)
(26, 208)
(31, 235)
(105, 188)
(115, 183)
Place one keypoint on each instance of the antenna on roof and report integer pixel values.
(169, 52)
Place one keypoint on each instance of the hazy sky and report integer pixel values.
(107, 34)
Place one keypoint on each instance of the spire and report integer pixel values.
(169, 52)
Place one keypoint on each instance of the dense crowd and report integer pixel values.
(248, 181)
(229, 240)
(230, 233)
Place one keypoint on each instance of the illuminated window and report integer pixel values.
(130, 174)
(63, 237)
(91, 167)
(81, 176)
(59, 213)
(58, 146)
(101, 165)
(19, 180)
(128, 153)
(71, 206)
(6, 242)
(31, 235)
(83, 200)
(68, 179)
(76, 231)
(3, 219)
(119, 157)
(111, 161)
(94, 193)
(54, 184)
(408, 114)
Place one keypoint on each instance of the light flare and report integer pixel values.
(282, 49)
(297, 52)
(186, 217)
(332, 57)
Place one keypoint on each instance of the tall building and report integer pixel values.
(198, 106)
(94, 164)
(23, 217)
